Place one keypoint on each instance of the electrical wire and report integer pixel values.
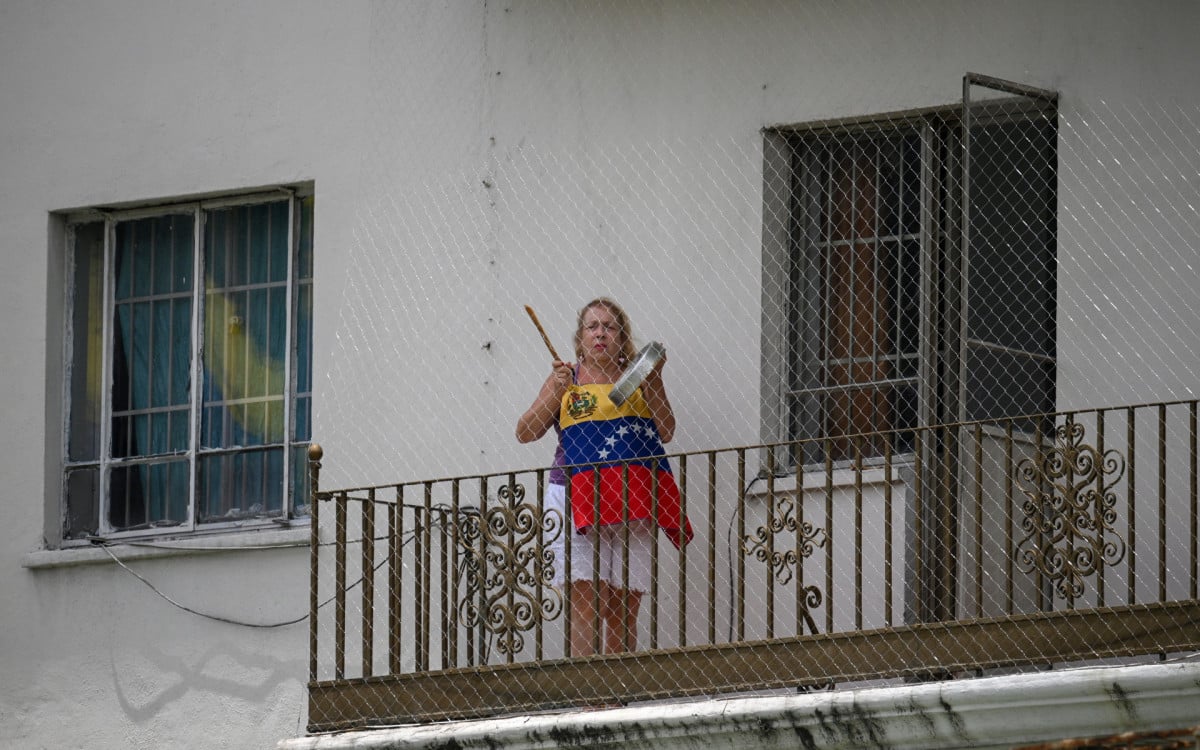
(200, 548)
(729, 554)
(106, 546)
(185, 608)
(411, 535)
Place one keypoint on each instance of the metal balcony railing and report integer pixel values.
(932, 553)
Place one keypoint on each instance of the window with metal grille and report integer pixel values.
(913, 281)
(854, 348)
(189, 366)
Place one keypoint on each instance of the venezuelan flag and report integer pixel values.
(595, 430)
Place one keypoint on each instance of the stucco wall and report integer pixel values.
(472, 158)
(127, 101)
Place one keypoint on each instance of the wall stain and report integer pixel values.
(1121, 698)
(860, 728)
(806, 738)
(960, 728)
(925, 719)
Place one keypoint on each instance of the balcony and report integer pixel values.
(939, 553)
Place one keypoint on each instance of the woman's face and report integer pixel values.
(602, 337)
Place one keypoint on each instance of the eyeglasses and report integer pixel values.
(596, 325)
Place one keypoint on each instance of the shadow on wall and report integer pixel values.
(145, 689)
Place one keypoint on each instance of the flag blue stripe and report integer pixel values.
(614, 440)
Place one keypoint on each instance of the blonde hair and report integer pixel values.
(623, 324)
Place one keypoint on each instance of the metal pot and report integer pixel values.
(645, 360)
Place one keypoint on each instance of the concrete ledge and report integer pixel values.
(988, 712)
(200, 544)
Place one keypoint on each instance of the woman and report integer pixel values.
(575, 401)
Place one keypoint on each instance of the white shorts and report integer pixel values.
(612, 543)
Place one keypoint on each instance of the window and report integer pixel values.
(189, 369)
(889, 301)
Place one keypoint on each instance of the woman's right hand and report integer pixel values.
(560, 373)
(543, 412)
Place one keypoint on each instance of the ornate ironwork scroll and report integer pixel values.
(510, 568)
(1069, 511)
(804, 538)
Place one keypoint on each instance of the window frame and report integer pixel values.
(942, 308)
(293, 505)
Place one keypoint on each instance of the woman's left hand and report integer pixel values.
(655, 393)
(654, 377)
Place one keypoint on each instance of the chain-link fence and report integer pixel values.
(934, 396)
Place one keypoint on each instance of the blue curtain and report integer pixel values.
(242, 430)
(246, 346)
(151, 358)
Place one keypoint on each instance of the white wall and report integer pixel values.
(469, 159)
(126, 101)
(621, 145)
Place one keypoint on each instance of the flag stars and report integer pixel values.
(630, 441)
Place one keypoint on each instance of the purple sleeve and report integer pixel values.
(557, 475)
